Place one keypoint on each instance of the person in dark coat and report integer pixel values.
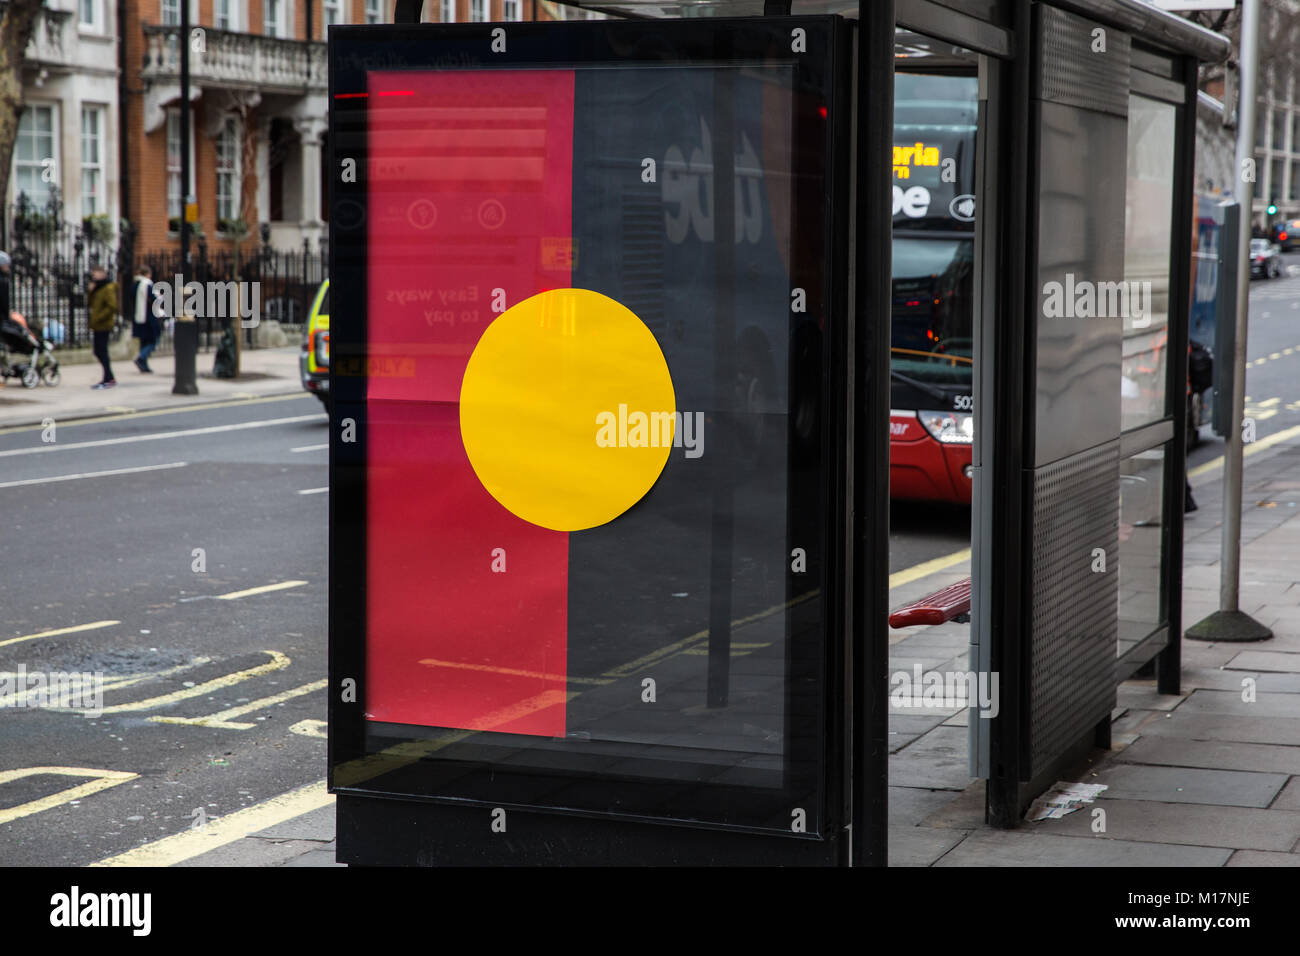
(145, 325)
(101, 301)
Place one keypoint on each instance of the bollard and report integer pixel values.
(186, 346)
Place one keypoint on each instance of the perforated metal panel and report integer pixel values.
(1080, 67)
(1072, 671)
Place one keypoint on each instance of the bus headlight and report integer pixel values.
(955, 428)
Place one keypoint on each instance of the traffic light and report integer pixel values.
(1272, 207)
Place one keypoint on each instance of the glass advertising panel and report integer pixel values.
(587, 362)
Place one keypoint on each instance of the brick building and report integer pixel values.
(258, 111)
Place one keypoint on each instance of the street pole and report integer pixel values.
(1229, 623)
(185, 330)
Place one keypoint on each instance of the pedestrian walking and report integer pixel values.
(145, 324)
(101, 300)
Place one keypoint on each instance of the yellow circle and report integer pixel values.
(567, 409)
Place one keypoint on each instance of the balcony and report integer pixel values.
(242, 61)
(51, 45)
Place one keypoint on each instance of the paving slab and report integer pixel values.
(324, 857)
(1022, 848)
(1219, 755)
(936, 761)
(1220, 788)
(1229, 702)
(1266, 661)
(1289, 798)
(1189, 824)
(908, 806)
(1263, 858)
(920, 846)
(964, 811)
(1143, 695)
(1253, 729)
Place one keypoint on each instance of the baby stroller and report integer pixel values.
(35, 360)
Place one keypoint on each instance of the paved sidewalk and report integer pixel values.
(1202, 778)
(262, 372)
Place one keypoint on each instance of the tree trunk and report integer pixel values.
(15, 33)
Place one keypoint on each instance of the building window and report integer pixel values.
(228, 184)
(374, 11)
(92, 161)
(171, 13)
(91, 15)
(275, 18)
(477, 11)
(174, 207)
(228, 15)
(512, 9)
(35, 164)
(448, 11)
(333, 12)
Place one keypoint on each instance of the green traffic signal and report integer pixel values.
(1272, 209)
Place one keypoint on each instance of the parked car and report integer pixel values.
(314, 357)
(1265, 259)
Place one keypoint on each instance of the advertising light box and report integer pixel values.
(588, 331)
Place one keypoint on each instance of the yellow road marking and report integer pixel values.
(310, 728)
(277, 662)
(102, 780)
(224, 719)
(512, 672)
(1288, 351)
(156, 411)
(59, 630)
(926, 568)
(1274, 355)
(1253, 448)
(220, 831)
(1267, 403)
(264, 589)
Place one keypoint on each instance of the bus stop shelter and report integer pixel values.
(610, 442)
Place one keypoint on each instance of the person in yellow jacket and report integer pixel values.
(101, 300)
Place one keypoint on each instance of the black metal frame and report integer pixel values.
(374, 817)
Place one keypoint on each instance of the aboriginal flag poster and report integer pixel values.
(586, 436)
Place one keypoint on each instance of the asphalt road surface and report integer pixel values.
(182, 556)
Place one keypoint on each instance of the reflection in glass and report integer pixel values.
(1140, 539)
(1148, 233)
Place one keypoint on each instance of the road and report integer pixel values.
(182, 555)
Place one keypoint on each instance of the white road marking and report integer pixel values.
(158, 436)
(92, 474)
(313, 491)
(302, 448)
(59, 630)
